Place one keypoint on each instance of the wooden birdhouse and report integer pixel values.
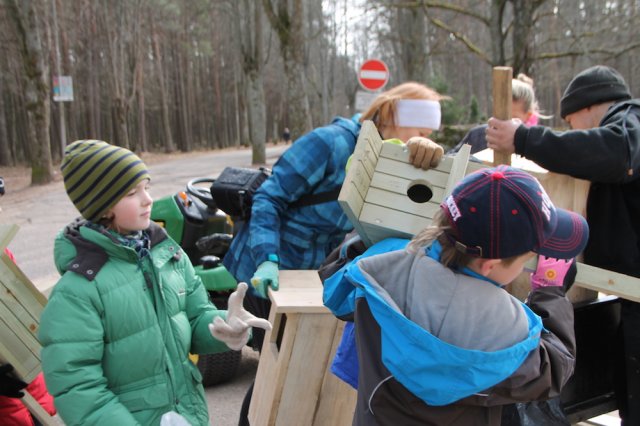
(384, 196)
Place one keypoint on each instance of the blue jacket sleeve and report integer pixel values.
(339, 294)
(313, 164)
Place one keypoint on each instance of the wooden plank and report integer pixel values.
(400, 185)
(309, 360)
(392, 200)
(351, 205)
(272, 370)
(502, 100)
(608, 282)
(7, 232)
(15, 351)
(359, 173)
(301, 278)
(458, 169)
(367, 147)
(360, 179)
(369, 158)
(19, 294)
(337, 400)
(21, 305)
(566, 192)
(396, 220)
(38, 412)
(401, 153)
(407, 171)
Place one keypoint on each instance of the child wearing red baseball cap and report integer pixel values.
(439, 340)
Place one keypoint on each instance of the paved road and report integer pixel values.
(42, 211)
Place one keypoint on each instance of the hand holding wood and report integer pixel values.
(424, 153)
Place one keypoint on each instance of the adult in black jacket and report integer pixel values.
(604, 148)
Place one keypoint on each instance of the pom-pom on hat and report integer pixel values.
(501, 212)
(593, 86)
(97, 175)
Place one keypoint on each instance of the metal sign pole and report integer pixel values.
(63, 130)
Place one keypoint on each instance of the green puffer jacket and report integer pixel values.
(117, 331)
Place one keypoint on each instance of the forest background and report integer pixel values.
(183, 75)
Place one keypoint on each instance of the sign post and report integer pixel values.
(373, 75)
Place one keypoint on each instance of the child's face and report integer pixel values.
(133, 211)
(518, 110)
(504, 274)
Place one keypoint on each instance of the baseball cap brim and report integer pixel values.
(569, 238)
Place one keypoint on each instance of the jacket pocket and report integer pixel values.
(144, 397)
(195, 373)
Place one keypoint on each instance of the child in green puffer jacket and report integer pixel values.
(121, 322)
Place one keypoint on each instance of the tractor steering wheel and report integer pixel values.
(201, 193)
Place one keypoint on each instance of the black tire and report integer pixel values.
(219, 368)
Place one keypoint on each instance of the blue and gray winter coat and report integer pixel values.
(440, 347)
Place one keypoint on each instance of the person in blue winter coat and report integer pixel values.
(282, 236)
(439, 339)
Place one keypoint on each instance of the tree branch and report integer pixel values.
(461, 37)
(439, 5)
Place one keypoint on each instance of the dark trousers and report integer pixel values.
(259, 307)
(628, 371)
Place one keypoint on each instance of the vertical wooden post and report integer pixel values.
(502, 104)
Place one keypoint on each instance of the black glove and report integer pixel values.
(10, 385)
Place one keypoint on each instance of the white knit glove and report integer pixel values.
(235, 332)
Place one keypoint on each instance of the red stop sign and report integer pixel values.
(373, 74)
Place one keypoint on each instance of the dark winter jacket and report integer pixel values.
(476, 137)
(609, 157)
(439, 347)
(118, 328)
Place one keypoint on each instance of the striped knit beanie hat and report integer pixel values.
(97, 175)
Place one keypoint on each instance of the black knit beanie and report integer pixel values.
(593, 86)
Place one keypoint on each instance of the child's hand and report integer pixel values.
(235, 332)
(424, 153)
(265, 276)
(550, 272)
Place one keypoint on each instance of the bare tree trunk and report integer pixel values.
(5, 153)
(523, 22)
(249, 27)
(36, 80)
(495, 29)
(164, 103)
(288, 24)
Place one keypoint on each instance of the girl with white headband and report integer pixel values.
(285, 236)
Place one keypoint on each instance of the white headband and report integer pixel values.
(418, 113)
